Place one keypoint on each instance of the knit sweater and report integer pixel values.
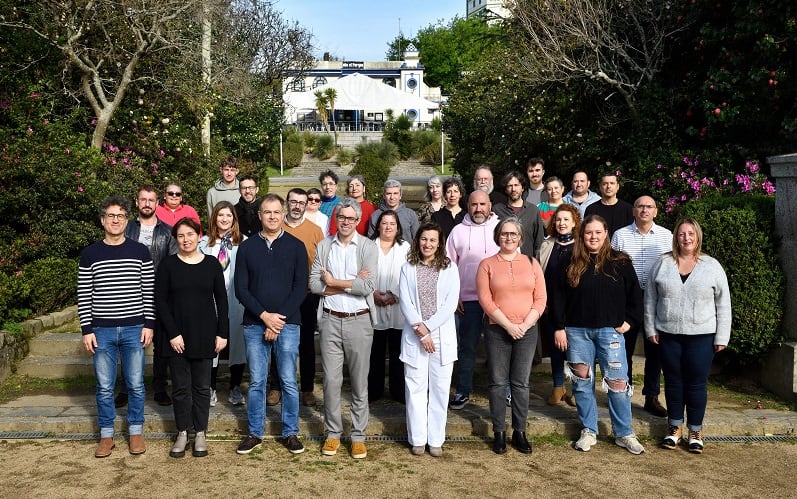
(468, 244)
(515, 287)
(115, 286)
(599, 300)
(701, 305)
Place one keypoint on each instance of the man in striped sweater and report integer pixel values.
(116, 306)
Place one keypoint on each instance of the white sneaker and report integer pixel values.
(630, 443)
(236, 397)
(213, 398)
(587, 440)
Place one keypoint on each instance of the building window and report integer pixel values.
(297, 85)
(319, 80)
(389, 81)
(412, 83)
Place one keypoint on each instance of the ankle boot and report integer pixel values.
(181, 445)
(557, 395)
(499, 442)
(520, 443)
(200, 445)
(569, 398)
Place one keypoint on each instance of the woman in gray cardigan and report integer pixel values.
(688, 314)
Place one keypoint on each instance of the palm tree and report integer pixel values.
(321, 105)
(331, 94)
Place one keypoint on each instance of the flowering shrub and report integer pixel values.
(692, 180)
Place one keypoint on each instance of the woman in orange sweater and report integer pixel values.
(511, 290)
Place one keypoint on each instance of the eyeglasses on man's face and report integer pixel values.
(341, 219)
(115, 216)
(295, 202)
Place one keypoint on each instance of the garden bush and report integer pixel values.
(739, 232)
(13, 297)
(292, 152)
(375, 171)
(385, 150)
(324, 146)
(308, 138)
(345, 157)
(52, 283)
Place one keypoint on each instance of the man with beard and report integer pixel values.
(535, 171)
(468, 244)
(483, 181)
(580, 196)
(157, 237)
(246, 208)
(615, 211)
(524, 210)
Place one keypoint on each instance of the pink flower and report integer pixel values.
(768, 187)
(34, 95)
(80, 188)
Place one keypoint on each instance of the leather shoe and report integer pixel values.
(308, 399)
(137, 445)
(653, 406)
(162, 398)
(520, 443)
(120, 400)
(104, 448)
(273, 397)
(499, 442)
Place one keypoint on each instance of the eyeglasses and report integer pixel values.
(294, 202)
(116, 216)
(341, 219)
(510, 235)
(641, 207)
(328, 184)
(266, 213)
(174, 194)
(249, 188)
(313, 200)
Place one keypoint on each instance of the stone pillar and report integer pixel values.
(779, 374)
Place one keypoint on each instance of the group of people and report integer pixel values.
(511, 265)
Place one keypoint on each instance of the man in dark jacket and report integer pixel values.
(246, 208)
(516, 206)
(157, 237)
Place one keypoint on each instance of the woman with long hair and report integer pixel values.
(192, 309)
(555, 249)
(393, 251)
(429, 294)
(511, 290)
(222, 243)
(688, 314)
(596, 299)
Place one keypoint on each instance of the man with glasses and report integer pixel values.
(329, 191)
(391, 195)
(526, 212)
(157, 237)
(271, 283)
(344, 274)
(246, 208)
(116, 306)
(644, 242)
(173, 207)
(483, 181)
(226, 187)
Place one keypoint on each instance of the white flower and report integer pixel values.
(165, 121)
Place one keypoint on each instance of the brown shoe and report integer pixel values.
(653, 406)
(273, 397)
(557, 395)
(308, 399)
(104, 448)
(137, 445)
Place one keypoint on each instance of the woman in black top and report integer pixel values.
(597, 299)
(453, 211)
(192, 308)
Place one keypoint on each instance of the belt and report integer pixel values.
(345, 315)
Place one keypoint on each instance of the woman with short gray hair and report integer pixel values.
(433, 199)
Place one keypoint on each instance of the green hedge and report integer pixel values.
(739, 232)
(375, 171)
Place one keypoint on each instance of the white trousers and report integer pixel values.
(426, 388)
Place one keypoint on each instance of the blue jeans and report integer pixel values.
(258, 353)
(557, 356)
(123, 343)
(468, 332)
(607, 346)
(686, 362)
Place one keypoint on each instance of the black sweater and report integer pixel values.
(600, 300)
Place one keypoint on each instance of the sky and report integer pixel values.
(360, 30)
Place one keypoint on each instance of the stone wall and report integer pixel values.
(14, 347)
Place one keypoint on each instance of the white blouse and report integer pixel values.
(387, 279)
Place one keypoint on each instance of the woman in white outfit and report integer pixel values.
(429, 293)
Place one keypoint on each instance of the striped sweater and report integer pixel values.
(115, 286)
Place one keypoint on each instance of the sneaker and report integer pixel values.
(248, 444)
(330, 447)
(358, 450)
(213, 398)
(236, 397)
(294, 445)
(418, 450)
(673, 438)
(273, 397)
(458, 402)
(630, 443)
(509, 400)
(696, 441)
(586, 441)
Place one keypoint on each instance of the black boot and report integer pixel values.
(520, 443)
(499, 442)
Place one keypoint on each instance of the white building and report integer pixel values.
(492, 10)
(410, 94)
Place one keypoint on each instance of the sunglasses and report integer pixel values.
(174, 194)
(313, 200)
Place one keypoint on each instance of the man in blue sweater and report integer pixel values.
(116, 306)
(271, 283)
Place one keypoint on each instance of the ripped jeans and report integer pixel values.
(607, 346)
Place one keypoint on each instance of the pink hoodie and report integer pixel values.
(468, 244)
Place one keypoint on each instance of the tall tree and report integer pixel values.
(396, 48)
(331, 94)
(321, 106)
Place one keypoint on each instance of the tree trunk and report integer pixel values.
(206, 68)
